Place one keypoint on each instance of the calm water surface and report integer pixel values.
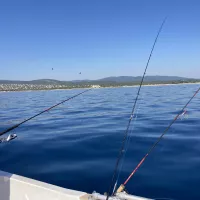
(75, 145)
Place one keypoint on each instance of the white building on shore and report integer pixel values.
(95, 86)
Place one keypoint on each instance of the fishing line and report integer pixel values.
(131, 116)
(127, 144)
(46, 110)
(121, 188)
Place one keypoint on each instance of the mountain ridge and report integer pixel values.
(111, 79)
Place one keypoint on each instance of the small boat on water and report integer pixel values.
(14, 187)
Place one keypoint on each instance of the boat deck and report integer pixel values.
(14, 187)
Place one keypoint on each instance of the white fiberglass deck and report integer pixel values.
(14, 187)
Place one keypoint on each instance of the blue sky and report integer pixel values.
(99, 38)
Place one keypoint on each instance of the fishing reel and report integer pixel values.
(9, 138)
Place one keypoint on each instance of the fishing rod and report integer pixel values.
(132, 115)
(122, 186)
(12, 136)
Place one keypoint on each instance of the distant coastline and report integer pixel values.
(166, 84)
(92, 86)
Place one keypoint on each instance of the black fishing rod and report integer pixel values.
(122, 186)
(46, 110)
(131, 116)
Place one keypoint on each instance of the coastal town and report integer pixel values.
(30, 87)
(23, 87)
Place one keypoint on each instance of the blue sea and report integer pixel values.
(76, 144)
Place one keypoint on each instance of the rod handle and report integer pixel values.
(121, 188)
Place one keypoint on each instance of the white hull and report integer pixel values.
(14, 187)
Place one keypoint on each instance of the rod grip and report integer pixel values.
(121, 188)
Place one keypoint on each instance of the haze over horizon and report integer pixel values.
(59, 39)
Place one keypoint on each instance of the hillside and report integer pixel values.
(125, 79)
(116, 80)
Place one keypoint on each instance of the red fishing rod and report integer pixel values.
(122, 186)
(12, 136)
